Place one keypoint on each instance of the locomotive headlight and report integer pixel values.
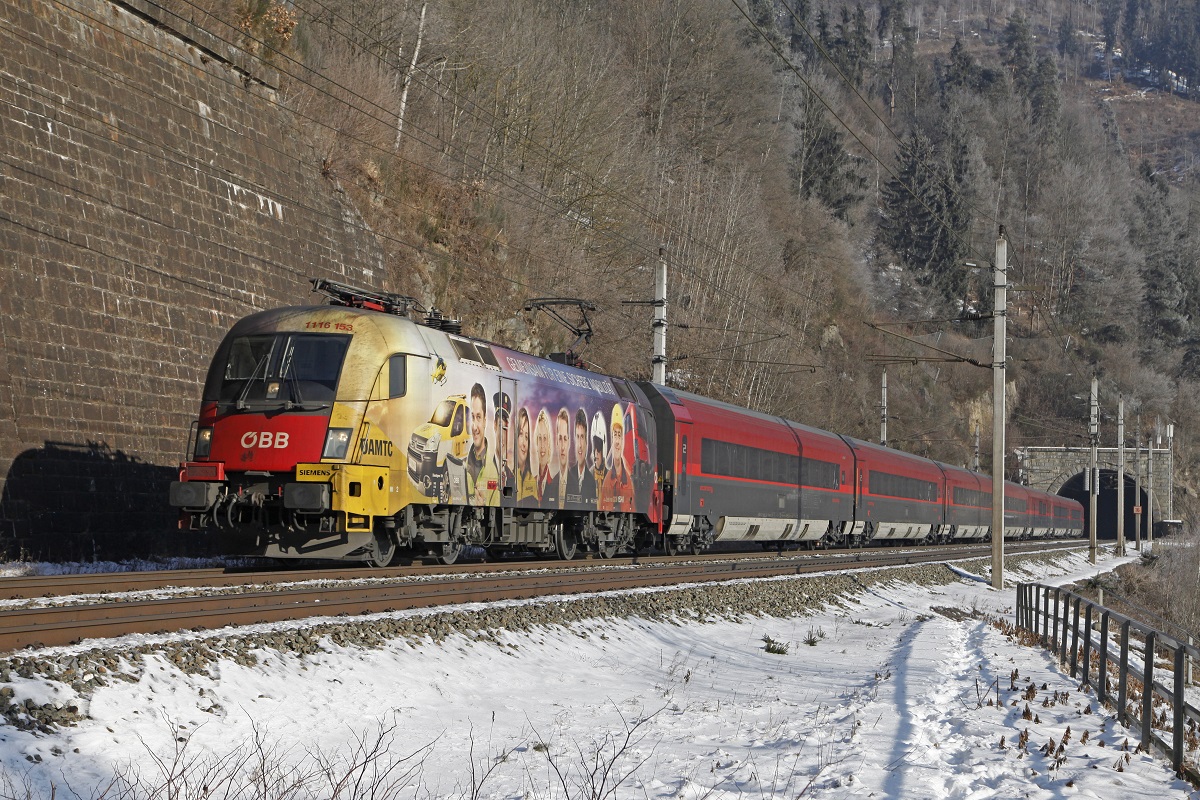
(337, 442)
(203, 442)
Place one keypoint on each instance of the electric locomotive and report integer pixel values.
(349, 431)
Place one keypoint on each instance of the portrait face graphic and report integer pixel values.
(542, 436)
(581, 445)
(478, 424)
(599, 441)
(523, 440)
(563, 440)
(618, 444)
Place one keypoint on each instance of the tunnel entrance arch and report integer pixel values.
(1062, 470)
(1106, 504)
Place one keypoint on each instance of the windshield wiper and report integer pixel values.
(241, 404)
(297, 402)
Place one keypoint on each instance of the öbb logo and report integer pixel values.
(265, 440)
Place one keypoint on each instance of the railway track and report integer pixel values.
(91, 610)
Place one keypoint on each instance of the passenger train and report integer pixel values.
(351, 431)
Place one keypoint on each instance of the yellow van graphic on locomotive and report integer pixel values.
(439, 446)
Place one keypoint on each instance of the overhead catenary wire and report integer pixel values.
(982, 212)
(718, 290)
(849, 129)
(190, 162)
(952, 355)
(979, 211)
(985, 214)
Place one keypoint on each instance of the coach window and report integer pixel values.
(397, 376)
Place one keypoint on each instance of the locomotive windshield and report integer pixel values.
(288, 370)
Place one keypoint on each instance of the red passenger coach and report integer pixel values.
(968, 503)
(734, 475)
(1068, 517)
(900, 495)
(1017, 519)
(743, 476)
(1041, 514)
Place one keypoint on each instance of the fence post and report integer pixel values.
(1102, 673)
(1054, 636)
(1188, 669)
(1123, 676)
(1045, 615)
(1020, 605)
(1178, 700)
(1025, 604)
(1087, 644)
(1074, 637)
(1024, 599)
(1148, 690)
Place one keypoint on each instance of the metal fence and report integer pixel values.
(1101, 646)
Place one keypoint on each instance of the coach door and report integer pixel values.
(683, 444)
(506, 437)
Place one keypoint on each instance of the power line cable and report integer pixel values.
(947, 185)
(409, 244)
(716, 288)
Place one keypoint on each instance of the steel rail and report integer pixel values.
(28, 587)
(61, 625)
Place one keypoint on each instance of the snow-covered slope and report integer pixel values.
(898, 690)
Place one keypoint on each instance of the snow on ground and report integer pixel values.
(891, 694)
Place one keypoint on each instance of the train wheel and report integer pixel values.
(565, 543)
(607, 549)
(672, 546)
(383, 551)
(451, 551)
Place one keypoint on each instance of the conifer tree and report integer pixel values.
(1017, 49)
(925, 217)
(821, 166)
(1156, 231)
(1043, 94)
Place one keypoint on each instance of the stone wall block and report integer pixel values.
(155, 193)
